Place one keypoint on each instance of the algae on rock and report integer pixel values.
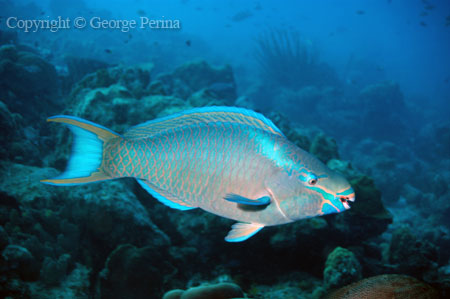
(341, 268)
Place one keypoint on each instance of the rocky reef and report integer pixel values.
(219, 291)
(28, 83)
(341, 268)
(113, 240)
(373, 100)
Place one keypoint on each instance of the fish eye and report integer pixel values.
(312, 180)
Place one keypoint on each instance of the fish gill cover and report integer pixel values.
(361, 88)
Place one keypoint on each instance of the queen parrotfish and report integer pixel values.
(228, 161)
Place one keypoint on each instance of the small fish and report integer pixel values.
(141, 12)
(424, 14)
(130, 36)
(108, 51)
(228, 161)
(423, 24)
(188, 43)
(341, 29)
(242, 15)
(360, 12)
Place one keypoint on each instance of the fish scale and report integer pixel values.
(228, 161)
(200, 154)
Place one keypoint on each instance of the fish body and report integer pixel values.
(386, 286)
(228, 161)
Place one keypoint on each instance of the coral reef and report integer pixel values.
(411, 256)
(54, 271)
(215, 291)
(386, 286)
(48, 223)
(390, 165)
(309, 104)
(28, 91)
(21, 262)
(8, 37)
(137, 272)
(45, 222)
(19, 143)
(19, 69)
(341, 268)
(368, 216)
(436, 136)
(75, 285)
(112, 239)
(374, 116)
(324, 148)
(199, 74)
(78, 67)
(137, 98)
(119, 241)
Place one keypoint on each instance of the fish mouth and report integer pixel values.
(346, 200)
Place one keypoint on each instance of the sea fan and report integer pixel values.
(290, 61)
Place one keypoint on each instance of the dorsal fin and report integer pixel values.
(203, 115)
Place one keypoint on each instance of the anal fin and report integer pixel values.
(242, 231)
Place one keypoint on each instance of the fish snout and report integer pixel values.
(346, 199)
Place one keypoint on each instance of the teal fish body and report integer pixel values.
(228, 161)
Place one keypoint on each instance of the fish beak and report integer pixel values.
(345, 200)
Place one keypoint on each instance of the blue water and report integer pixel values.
(374, 79)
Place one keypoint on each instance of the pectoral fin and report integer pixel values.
(242, 231)
(262, 201)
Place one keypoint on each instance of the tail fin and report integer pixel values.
(87, 152)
